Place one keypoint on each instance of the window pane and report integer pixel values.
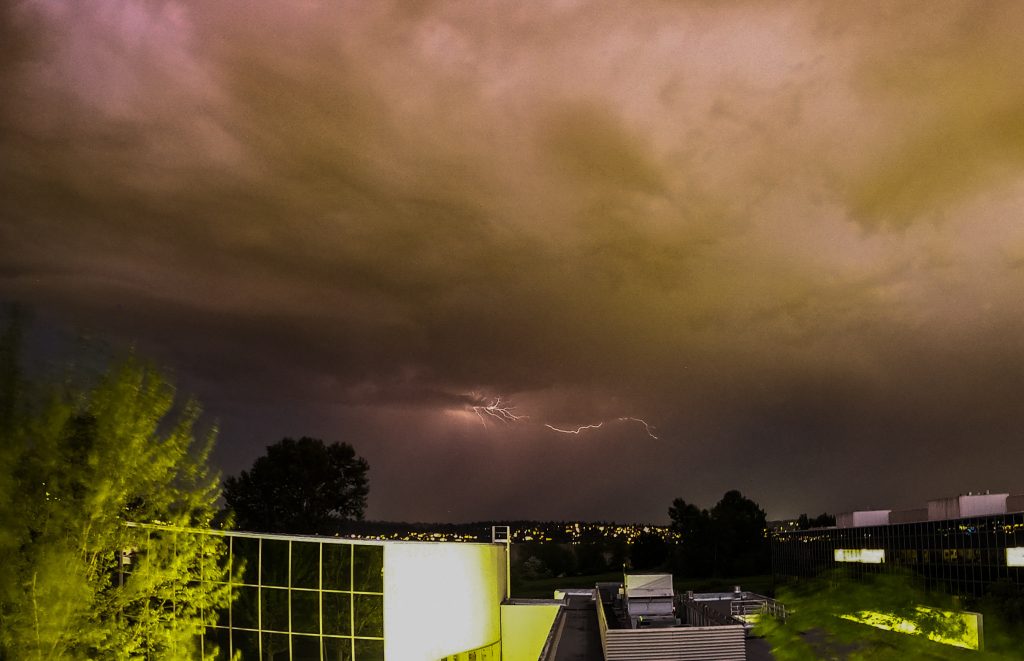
(368, 568)
(246, 551)
(337, 566)
(220, 617)
(305, 648)
(337, 614)
(275, 609)
(337, 649)
(275, 562)
(369, 650)
(305, 565)
(248, 643)
(275, 647)
(369, 614)
(244, 612)
(218, 639)
(305, 611)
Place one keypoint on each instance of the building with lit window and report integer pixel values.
(965, 545)
(333, 599)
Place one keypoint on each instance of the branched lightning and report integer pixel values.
(496, 409)
(504, 412)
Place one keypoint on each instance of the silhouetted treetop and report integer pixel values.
(300, 486)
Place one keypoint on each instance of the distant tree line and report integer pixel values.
(728, 540)
(307, 486)
(820, 521)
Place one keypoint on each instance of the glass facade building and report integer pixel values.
(303, 599)
(965, 556)
(330, 599)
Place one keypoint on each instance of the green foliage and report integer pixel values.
(301, 486)
(1003, 608)
(533, 568)
(79, 464)
(816, 626)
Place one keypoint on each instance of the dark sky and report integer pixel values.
(788, 236)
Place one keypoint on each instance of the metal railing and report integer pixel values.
(701, 615)
(741, 609)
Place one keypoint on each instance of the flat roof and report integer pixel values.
(330, 539)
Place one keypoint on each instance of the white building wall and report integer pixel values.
(441, 599)
(942, 509)
(958, 507)
(983, 504)
(862, 518)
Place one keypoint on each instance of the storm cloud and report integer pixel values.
(790, 237)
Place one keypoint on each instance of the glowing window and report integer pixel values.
(1015, 556)
(866, 556)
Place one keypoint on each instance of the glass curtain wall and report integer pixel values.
(961, 556)
(300, 598)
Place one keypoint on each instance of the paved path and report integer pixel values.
(581, 637)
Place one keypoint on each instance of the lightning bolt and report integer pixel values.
(504, 412)
(647, 427)
(497, 410)
(574, 431)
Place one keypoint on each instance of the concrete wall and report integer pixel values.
(962, 506)
(862, 518)
(524, 628)
(908, 516)
(441, 599)
(941, 509)
(983, 504)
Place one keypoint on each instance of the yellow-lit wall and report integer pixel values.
(970, 638)
(524, 628)
(441, 599)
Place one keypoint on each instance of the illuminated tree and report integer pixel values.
(843, 615)
(301, 486)
(78, 465)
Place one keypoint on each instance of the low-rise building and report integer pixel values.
(964, 545)
(326, 598)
